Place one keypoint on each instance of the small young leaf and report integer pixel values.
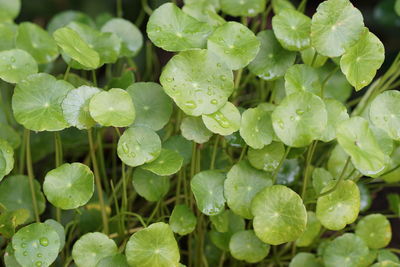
(9, 9)
(182, 220)
(193, 129)
(153, 246)
(300, 78)
(167, 163)
(8, 31)
(320, 179)
(138, 145)
(280, 5)
(248, 8)
(339, 207)
(245, 245)
(16, 65)
(303, 259)
(224, 121)
(337, 113)
(375, 230)
(69, 186)
(197, 81)
(312, 231)
(149, 185)
(59, 230)
(64, 18)
(268, 157)
(236, 50)
(208, 190)
(279, 215)
(272, 60)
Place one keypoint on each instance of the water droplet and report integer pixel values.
(190, 104)
(44, 241)
(280, 123)
(385, 118)
(23, 245)
(214, 101)
(38, 263)
(330, 209)
(292, 118)
(209, 91)
(125, 147)
(221, 120)
(12, 59)
(223, 77)
(25, 253)
(39, 255)
(219, 65)
(169, 79)
(299, 111)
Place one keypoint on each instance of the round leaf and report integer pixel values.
(375, 230)
(197, 81)
(62, 19)
(242, 184)
(91, 248)
(69, 186)
(208, 190)
(362, 60)
(10, 135)
(203, 11)
(346, 250)
(300, 78)
(149, 185)
(248, 8)
(114, 260)
(6, 158)
(75, 107)
(272, 60)
(9, 9)
(16, 65)
(153, 107)
(36, 245)
(335, 26)
(337, 113)
(138, 145)
(280, 5)
(245, 245)
(112, 108)
(279, 215)
(305, 259)
(179, 144)
(153, 246)
(8, 30)
(357, 139)
(182, 220)
(36, 42)
(339, 207)
(385, 114)
(237, 51)
(312, 231)
(307, 55)
(292, 29)
(131, 37)
(299, 119)
(225, 121)
(167, 163)
(173, 30)
(36, 102)
(320, 179)
(193, 129)
(268, 157)
(59, 230)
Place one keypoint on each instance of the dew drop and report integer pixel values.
(280, 123)
(125, 147)
(38, 263)
(292, 118)
(221, 120)
(299, 111)
(214, 101)
(169, 79)
(25, 253)
(44, 241)
(12, 59)
(223, 77)
(385, 118)
(23, 245)
(190, 104)
(219, 65)
(39, 255)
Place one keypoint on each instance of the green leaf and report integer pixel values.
(91, 248)
(75, 47)
(305, 259)
(346, 250)
(386, 263)
(37, 42)
(335, 27)
(36, 245)
(240, 8)
(301, 78)
(15, 193)
(182, 220)
(153, 107)
(138, 145)
(385, 254)
(8, 30)
(384, 113)
(365, 197)
(16, 65)
(75, 107)
(225, 121)
(179, 144)
(280, 5)
(69, 186)
(62, 19)
(337, 113)
(279, 215)
(320, 179)
(256, 126)
(59, 230)
(9, 257)
(245, 245)
(10, 220)
(167, 163)
(292, 29)
(153, 246)
(36, 102)
(361, 61)
(337, 161)
(289, 172)
(339, 207)
(337, 86)
(208, 190)
(130, 36)
(268, 157)
(124, 81)
(214, 3)
(242, 184)
(393, 173)
(204, 12)
(312, 231)
(173, 30)
(114, 260)
(375, 230)
(149, 185)
(10, 135)
(193, 129)
(6, 158)
(237, 51)
(272, 60)
(307, 55)
(356, 138)
(9, 9)
(299, 119)
(197, 81)
(112, 108)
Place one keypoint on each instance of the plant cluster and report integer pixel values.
(250, 150)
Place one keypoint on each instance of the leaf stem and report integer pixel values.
(280, 164)
(119, 8)
(31, 174)
(214, 152)
(310, 155)
(338, 181)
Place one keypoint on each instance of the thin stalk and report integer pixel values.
(94, 77)
(310, 155)
(98, 182)
(119, 8)
(146, 7)
(302, 6)
(29, 167)
(67, 72)
(22, 155)
(214, 152)
(58, 160)
(338, 181)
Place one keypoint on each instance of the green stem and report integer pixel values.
(119, 8)
(124, 184)
(302, 6)
(214, 152)
(98, 182)
(22, 155)
(94, 78)
(58, 160)
(67, 72)
(338, 181)
(310, 155)
(29, 167)
(146, 7)
(280, 165)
